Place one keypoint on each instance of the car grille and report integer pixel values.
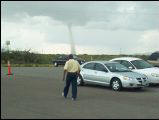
(140, 85)
(140, 80)
(144, 79)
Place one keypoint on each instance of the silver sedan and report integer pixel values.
(111, 74)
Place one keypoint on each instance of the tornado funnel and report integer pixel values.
(72, 44)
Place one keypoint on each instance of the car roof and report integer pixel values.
(127, 58)
(103, 62)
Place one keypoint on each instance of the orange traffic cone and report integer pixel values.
(9, 69)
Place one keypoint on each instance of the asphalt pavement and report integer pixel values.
(35, 92)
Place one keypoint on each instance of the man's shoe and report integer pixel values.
(73, 99)
(63, 95)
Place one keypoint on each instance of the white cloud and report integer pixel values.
(43, 34)
(47, 48)
(103, 34)
(127, 6)
(21, 35)
(149, 41)
(33, 32)
(118, 14)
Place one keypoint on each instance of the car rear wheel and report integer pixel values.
(55, 64)
(116, 85)
(80, 81)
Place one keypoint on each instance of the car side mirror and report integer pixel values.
(130, 68)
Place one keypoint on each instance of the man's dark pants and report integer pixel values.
(71, 78)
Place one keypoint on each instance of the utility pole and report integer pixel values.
(7, 45)
(91, 58)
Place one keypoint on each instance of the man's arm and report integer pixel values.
(64, 74)
(65, 70)
(79, 69)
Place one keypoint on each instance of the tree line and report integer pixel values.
(27, 57)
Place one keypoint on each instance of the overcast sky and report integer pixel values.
(104, 27)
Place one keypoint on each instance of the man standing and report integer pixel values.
(72, 68)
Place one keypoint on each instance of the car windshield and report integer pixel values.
(141, 64)
(75, 57)
(117, 67)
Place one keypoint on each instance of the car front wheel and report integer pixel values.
(116, 85)
(80, 81)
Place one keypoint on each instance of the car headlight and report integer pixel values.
(145, 76)
(155, 75)
(127, 78)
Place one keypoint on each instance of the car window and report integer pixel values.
(117, 67)
(89, 66)
(65, 57)
(100, 67)
(127, 64)
(62, 58)
(119, 61)
(75, 57)
(141, 64)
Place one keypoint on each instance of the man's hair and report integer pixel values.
(70, 56)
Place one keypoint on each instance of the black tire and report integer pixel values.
(139, 88)
(56, 64)
(116, 85)
(80, 81)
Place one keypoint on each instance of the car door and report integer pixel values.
(101, 74)
(88, 71)
(60, 60)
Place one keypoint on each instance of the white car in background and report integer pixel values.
(140, 66)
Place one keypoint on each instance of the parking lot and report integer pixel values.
(35, 92)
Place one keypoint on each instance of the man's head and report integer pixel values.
(70, 56)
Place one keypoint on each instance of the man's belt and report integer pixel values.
(72, 73)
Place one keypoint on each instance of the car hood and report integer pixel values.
(148, 70)
(130, 74)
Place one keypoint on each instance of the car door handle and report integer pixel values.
(95, 72)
